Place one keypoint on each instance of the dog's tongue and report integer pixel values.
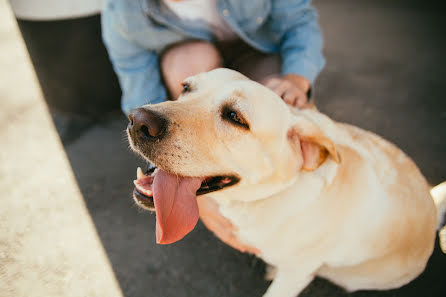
(175, 205)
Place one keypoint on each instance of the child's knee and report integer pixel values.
(199, 55)
(187, 59)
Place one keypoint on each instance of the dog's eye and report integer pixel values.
(186, 88)
(235, 118)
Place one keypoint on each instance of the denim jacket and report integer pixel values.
(136, 31)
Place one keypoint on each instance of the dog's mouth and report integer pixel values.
(173, 197)
(143, 192)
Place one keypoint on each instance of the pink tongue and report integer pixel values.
(175, 205)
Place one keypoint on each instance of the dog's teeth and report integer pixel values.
(139, 173)
(226, 180)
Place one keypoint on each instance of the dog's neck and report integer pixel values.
(319, 178)
(293, 201)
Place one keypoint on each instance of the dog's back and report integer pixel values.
(400, 244)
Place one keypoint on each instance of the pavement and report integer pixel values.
(68, 226)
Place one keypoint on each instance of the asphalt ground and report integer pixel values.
(68, 226)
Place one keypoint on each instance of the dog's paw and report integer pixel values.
(270, 272)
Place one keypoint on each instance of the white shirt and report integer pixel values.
(202, 10)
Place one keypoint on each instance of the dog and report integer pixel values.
(313, 197)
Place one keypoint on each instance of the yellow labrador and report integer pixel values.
(312, 196)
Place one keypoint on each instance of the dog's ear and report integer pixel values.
(307, 140)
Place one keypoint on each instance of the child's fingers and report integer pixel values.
(273, 83)
(290, 97)
(295, 97)
(302, 100)
(283, 87)
(290, 93)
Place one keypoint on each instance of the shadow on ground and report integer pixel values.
(383, 74)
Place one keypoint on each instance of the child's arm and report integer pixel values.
(137, 68)
(300, 49)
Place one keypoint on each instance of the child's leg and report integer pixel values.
(186, 59)
(254, 64)
(261, 67)
(258, 66)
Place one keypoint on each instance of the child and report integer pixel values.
(155, 44)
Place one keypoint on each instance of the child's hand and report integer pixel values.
(292, 88)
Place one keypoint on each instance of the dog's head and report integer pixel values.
(225, 134)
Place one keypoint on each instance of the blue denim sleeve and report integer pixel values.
(301, 43)
(137, 68)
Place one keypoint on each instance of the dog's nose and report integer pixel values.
(146, 124)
